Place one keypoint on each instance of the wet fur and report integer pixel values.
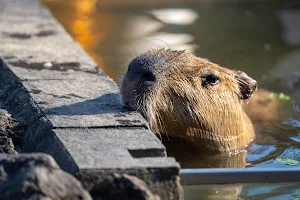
(210, 117)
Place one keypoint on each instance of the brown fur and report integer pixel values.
(212, 118)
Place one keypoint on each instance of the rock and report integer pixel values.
(123, 187)
(37, 176)
(11, 128)
(6, 122)
(6, 125)
(6, 145)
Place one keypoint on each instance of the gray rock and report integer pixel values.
(6, 145)
(123, 187)
(12, 132)
(37, 176)
(6, 123)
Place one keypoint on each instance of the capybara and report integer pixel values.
(191, 98)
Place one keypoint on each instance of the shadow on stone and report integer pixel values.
(108, 103)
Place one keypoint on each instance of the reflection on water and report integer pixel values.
(215, 192)
(262, 39)
(177, 16)
(261, 191)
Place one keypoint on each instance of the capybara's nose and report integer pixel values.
(247, 85)
(144, 69)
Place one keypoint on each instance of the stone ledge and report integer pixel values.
(71, 110)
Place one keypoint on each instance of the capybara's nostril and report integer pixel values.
(148, 77)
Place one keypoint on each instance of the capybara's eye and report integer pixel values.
(210, 79)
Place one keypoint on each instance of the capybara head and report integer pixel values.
(186, 96)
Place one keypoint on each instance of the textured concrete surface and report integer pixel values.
(125, 187)
(161, 180)
(71, 110)
(29, 35)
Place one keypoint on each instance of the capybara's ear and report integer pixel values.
(247, 85)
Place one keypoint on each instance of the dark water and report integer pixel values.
(261, 38)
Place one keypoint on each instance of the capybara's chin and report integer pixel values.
(192, 98)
